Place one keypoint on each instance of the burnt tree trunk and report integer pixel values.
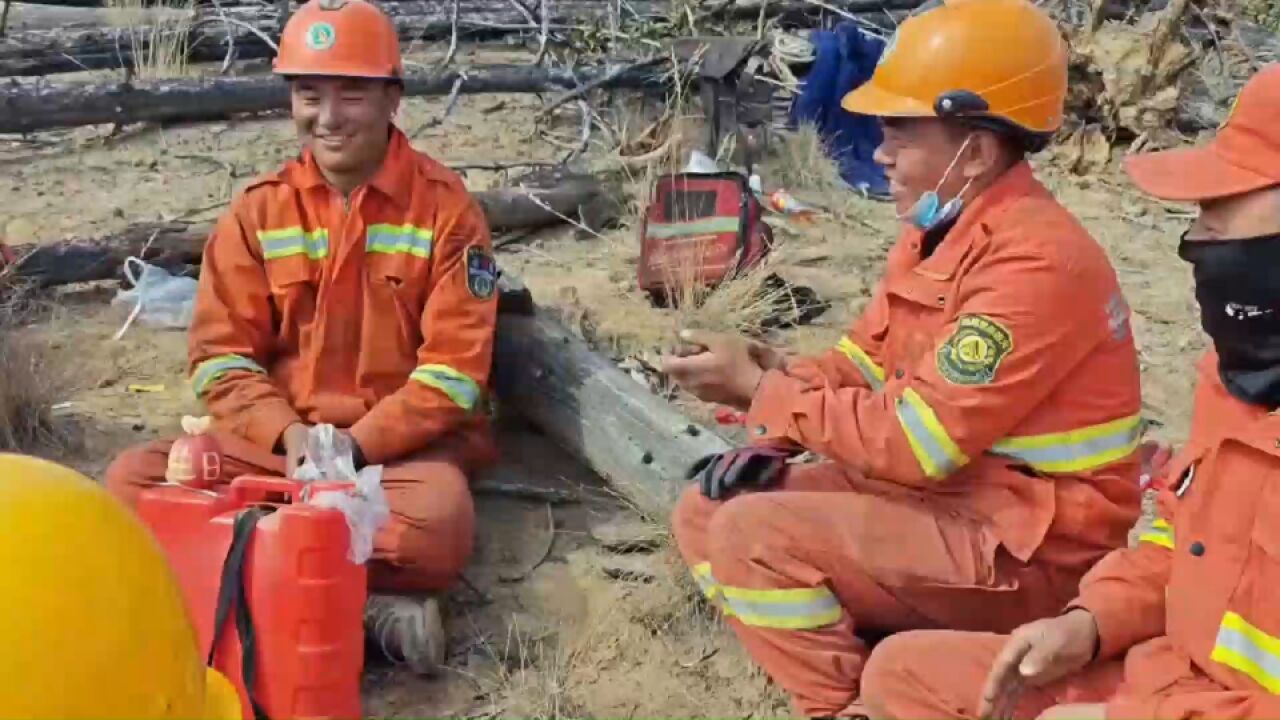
(176, 246)
(92, 47)
(636, 441)
(32, 107)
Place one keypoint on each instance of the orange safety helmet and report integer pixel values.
(999, 64)
(343, 38)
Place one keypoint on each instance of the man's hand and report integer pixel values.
(294, 440)
(1075, 712)
(1156, 458)
(719, 368)
(1036, 654)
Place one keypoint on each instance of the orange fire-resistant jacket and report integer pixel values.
(1200, 588)
(374, 313)
(999, 373)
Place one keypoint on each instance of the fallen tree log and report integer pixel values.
(95, 47)
(178, 246)
(636, 441)
(27, 107)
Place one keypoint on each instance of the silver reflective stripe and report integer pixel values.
(289, 241)
(934, 449)
(800, 609)
(1245, 648)
(1160, 533)
(1076, 450)
(403, 239)
(871, 372)
(811, 608)
(707, 226)
(461, 389)
(706, 581)
(210, 370)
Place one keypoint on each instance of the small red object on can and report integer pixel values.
(195, 460)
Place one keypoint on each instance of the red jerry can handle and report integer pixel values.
(256, 489)
(250, 489)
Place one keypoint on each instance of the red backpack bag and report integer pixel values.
(698, 231)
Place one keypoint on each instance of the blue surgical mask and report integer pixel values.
(929, 212)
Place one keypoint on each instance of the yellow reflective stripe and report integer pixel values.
(210, 370)
(934, 449)
(706, 581)
(871, 372)
(460, 388)
(1245, 648)
(404, 239)
(285, 242)
(1086, 448)
(1160, 533)
(793, 609)
(707, 226)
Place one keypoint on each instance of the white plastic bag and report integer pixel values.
(701, 164)
(159, 298)
(328, 458)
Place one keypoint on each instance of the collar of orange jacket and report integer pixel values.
(392, 179)
(1017, 182)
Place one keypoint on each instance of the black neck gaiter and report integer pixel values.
(1238, 287)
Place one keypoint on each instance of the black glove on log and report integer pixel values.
(720, 474)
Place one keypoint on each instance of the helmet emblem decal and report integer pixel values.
(321, 36)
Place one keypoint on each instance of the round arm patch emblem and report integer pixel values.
(974, 351)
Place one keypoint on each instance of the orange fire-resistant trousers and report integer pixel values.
(939, 675)
(806, 572)
(425, 544)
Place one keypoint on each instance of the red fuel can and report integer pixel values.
(305, 597)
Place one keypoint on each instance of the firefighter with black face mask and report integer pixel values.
(1185, 624)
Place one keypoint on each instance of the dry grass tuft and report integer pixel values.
(33, 378)
(158, 33)
(801, 165)
(641, 649)
(532, 677)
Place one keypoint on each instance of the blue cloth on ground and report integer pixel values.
(844, 58)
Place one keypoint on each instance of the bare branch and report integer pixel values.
(453, 35)
(544, 13)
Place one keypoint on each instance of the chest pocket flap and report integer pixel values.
(293, 255)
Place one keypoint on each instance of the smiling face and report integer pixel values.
(345, 122)
(915, 155)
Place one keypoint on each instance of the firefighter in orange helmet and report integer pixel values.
(1186, 623)
(979, 421)
(355, 286)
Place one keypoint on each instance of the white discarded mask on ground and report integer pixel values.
(160, 299)
(328, 459)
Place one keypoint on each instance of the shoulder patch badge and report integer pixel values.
(1118, 317)
(974, 351)
(482, 272)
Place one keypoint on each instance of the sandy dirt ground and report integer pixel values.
(549, 623)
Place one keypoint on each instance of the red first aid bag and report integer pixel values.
(698, 231)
